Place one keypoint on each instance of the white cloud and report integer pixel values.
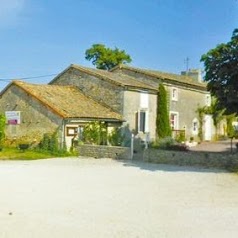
(10, 10)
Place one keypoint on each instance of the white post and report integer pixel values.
(147, 139)
(132, 145)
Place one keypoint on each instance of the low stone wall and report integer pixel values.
(227, 161)
(102, 151)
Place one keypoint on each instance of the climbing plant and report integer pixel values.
(201, 112)
(2, 128)
(163, 128)
(230, 128)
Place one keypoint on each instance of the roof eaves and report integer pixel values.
(199, 86)
(139, 88)
(136, 70)
(19, 84)
(57, 76)
(98, 118)
(97, 74)
(6, 88)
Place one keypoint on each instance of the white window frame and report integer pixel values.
(174, 94)
(144, 100)
(176, 125)
(146, 122)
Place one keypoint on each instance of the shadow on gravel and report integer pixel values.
(226, 146)
(168, 168)
(205, 149)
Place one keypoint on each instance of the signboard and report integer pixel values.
(13, 117)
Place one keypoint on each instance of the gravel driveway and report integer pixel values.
(102, 198)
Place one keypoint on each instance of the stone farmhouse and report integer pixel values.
(186, 93)
(33, 110)
(132, 92)
(124, 97)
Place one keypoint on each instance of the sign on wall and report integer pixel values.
(13, 117)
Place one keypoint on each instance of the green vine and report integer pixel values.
(2, 129)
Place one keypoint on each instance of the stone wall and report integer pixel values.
(35, 118)
(99, 89)
(101, 151)
(191, 158)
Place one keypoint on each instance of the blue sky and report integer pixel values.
(44, 37)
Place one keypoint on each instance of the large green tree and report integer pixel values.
(221, 68)
(163, 128)
(106, 58)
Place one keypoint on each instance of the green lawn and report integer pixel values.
(29, 154)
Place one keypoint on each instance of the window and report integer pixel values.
(71, 131)
(141, 121)
(80, 132)
(195, 126)
(174, 94)
(174, 120)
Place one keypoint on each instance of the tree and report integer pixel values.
(106, 58)
(230, 128)
(221, 68)
(163, 128)
(217, 116)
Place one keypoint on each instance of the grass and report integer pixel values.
(29, 154)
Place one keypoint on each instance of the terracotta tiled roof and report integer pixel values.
(68, 101)
(166, 77)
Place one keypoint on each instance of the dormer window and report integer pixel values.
(174, 94)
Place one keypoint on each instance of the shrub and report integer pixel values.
(169, 143)
(180, 137)
(163, 143)
(2, 129)
(116, 138)
(178, 147)
(50, 144)
(95, 133)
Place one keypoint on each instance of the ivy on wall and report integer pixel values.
(163, 128)
(2, 128)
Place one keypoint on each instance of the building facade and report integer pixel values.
(34, 110)
(132, 92)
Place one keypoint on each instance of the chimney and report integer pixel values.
(196, 74)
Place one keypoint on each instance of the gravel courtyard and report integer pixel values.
(73, 197)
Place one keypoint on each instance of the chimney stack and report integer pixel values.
(196, 74)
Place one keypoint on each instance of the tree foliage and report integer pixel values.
(163, 128)
(201, 113)
(95, 133)
(215, 111)
(106, 58)
(221, 68)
